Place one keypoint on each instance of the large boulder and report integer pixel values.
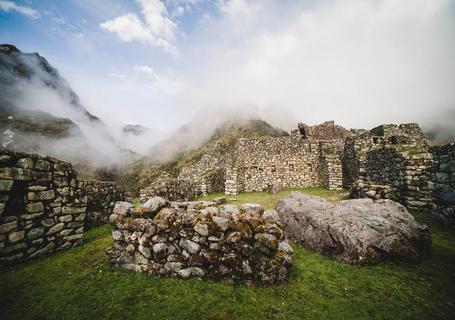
(359, 231)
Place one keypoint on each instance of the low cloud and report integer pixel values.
(361, 63)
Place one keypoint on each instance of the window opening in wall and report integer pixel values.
(375, 140)
(273, 168)
(16, 201)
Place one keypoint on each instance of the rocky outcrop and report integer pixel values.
(360, 231)
(200, 240)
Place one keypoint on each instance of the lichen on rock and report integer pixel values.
(199, 240)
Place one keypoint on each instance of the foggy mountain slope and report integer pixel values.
(186, 146)
(205, 127)
(16, 66)
(39, 112)
(135, 129)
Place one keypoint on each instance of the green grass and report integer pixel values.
(137, 202)
(80, 284)
(269, 201)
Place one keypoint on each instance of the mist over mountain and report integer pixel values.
(39, 112)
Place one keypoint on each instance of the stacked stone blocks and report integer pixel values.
(41, 207)
(200, 240)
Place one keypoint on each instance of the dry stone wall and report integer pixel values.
(291, 161)
(443, 182)
(390, 162)
(41, 210)
(209, 172)
(173, 189)
(200, 240)
(101, 198)
(43, 207)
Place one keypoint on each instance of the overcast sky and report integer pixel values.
(160, 63)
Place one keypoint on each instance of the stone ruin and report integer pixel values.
(387, 162)
(359, 231)
(200, 240)
(44, 207)
(442, 182)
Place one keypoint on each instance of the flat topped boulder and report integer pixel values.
(360, 231)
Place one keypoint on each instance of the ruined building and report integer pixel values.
(44, 207)
(389, 161)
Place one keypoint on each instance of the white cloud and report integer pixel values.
(145, 69)
(168, 84)
(157, 29)
(360, 63)
(117, 75)
(11, 6)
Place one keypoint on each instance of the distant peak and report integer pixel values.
(8, 48)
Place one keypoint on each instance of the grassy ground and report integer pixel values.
(80, 284)
(269, 201)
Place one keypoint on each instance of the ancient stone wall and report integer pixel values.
(173, 189)
(390, 162)
(209, 172)
(443, 181)
(330, 157)
(101, 198)
(290, 161)
(41, 207)
(197, 239)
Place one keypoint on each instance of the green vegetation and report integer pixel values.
(80, 284)
(268, 201)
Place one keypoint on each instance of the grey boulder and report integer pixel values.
(153, 205)
(359, 231)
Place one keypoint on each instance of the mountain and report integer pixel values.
(186, 147)
(135, 130)
(16, 66)
(39, 112)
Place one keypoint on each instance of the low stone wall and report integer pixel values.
(197, 239)
(101, 198)
(41, 207)
(443, 181)
(173, 189)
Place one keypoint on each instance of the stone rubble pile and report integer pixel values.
(359, 231)
(200, 240)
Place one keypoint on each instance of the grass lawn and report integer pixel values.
(80, 284)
